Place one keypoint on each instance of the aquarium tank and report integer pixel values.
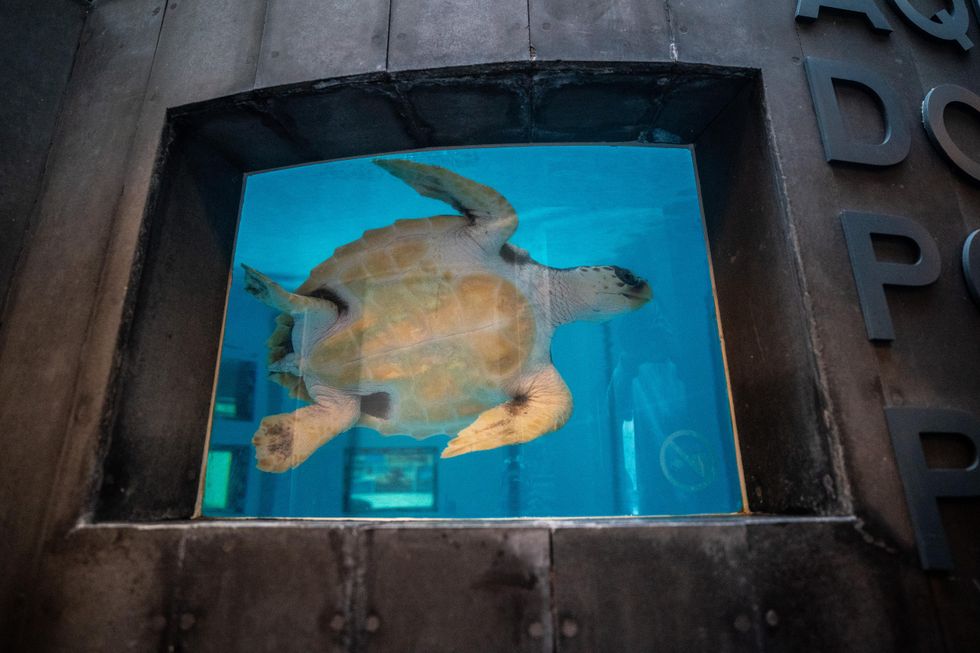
(492, 332)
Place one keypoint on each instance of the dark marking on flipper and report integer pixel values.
(517, 404)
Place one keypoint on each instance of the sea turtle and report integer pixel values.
(431, 325)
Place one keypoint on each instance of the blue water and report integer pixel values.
(651, 432)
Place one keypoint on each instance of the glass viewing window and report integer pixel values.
(525, 331)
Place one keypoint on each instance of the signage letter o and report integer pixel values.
(933, 118)
(971, 264)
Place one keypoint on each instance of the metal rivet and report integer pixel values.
(772, 618)
(372, 623)
(536, 630)
(569, 628)
(337, 622)
(743, 623)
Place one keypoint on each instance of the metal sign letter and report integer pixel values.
(971, 264)
(808, 10)
(837, 144)
(924, 485)
(933, 117)
(871, 275)
(944, 25)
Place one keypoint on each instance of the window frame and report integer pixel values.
(157, 451)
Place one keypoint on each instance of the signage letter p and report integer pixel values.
(924, 485)
(872, 275)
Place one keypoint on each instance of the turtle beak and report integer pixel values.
(637, 290)
(639, 294)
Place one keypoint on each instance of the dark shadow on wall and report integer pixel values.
(37, 50)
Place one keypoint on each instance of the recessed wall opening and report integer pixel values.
(560, 118)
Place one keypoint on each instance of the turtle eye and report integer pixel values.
(627, 277)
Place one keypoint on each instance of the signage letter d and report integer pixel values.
(837, 145)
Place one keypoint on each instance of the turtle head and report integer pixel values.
(597, 293)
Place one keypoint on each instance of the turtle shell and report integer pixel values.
(443, 339)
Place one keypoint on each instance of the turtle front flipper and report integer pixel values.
(542, 404)
(284, 441)
(492, 218)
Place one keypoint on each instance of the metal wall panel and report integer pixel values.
(433, 34)
(313, 39)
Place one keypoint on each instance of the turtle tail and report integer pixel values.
(280, 343)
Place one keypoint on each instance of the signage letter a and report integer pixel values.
(808, 10)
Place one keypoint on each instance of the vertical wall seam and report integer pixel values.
(552, 598)
(359, 602)
(171, 632)
(532, 53)
(258, 52)
(388, 36)
(670, 31)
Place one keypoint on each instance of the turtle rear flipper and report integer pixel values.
(303, 321)
(284, 441)
(280, 345)
(542, 404)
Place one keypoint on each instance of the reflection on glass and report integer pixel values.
(509, 325)
(218, 480)
(390, 479)
(225, 482)
(234, 396)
